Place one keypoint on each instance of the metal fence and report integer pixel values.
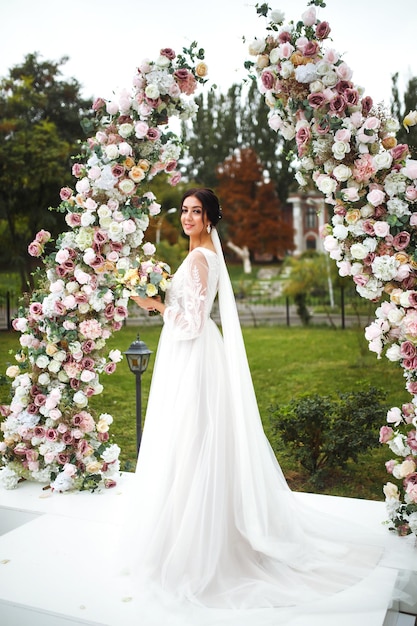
(256, 310)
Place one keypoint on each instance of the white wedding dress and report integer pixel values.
(211, 520)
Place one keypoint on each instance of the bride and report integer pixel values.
(212, 520)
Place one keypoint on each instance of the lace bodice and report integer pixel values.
(191, 294)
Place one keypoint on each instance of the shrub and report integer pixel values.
(325, 432)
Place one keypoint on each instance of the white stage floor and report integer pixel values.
(55, 563)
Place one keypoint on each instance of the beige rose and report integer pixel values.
(402, 257)
(94, 467)
(391, 491)
(129, 163)
(51, 349)
(102, 426)
(201, 70)
(136, 174)
(12, 371)
(353, 216)
(262, 61)
(144, 165)
(389, 142)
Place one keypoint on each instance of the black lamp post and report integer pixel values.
(137, 356)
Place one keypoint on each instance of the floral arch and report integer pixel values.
(347, 149)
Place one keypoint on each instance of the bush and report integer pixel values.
(325, 432)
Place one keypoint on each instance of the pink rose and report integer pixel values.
(302, 139)
(73, 219)
(412, 440)
(375, 197)
(367, 104)
(110, 368)
(381, 229)
(316, 101)
(343, 71)
(411, 195)
(309, 17)
(385, 434)
(35, 248)
(267, 79)
(322, 30)
(175, 179)
(169, 53)
(401, 240)
(352, 97)
(390, 466)
(338, 106)
(65, 193)
(410, 169)
(399, 152)
(408, 349)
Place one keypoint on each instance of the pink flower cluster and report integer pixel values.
(49, 434)
(348, 149)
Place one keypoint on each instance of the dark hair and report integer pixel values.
(209, 200)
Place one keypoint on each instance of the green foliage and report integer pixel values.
(233, 121)
(326, 432)
(39, 131)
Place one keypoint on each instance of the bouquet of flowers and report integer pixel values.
(148, 277)
(347, 148)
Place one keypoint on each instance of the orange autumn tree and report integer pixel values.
(253, 214)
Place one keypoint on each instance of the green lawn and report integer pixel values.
(285, 362)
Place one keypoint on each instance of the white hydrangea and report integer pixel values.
(8, 478)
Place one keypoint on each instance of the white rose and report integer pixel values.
(300, 179)
(394, 353)
(383, 160)
(115, 356)
(80, 399)
(316, 86)
(342, 172)
(340, 231)
(152, 92)
(340, 149)
(42, 361)
(44, 378)
(358, 251)
(277, 16)
(391, 125)
(257, 47)
(330, 79)
(63, 376)
(163, 61)
(287, 69)
(326, 185)
(111, 151)
(274, 56)
(87, 219)
(116, 231)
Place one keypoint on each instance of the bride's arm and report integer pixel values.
(186, 313)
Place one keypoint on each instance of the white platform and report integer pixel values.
(55, 562)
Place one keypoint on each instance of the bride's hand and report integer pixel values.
(149, 304)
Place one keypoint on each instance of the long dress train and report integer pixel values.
(211, 520)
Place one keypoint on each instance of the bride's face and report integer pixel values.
(192, 216)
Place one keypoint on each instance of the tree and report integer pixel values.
(235, 121)
(401, 106)
(39, 130)
(212, 135)
(252, 210)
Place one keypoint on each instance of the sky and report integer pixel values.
(105, 39)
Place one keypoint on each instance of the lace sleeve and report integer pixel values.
(186, 313)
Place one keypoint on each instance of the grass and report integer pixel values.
(285, 363)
